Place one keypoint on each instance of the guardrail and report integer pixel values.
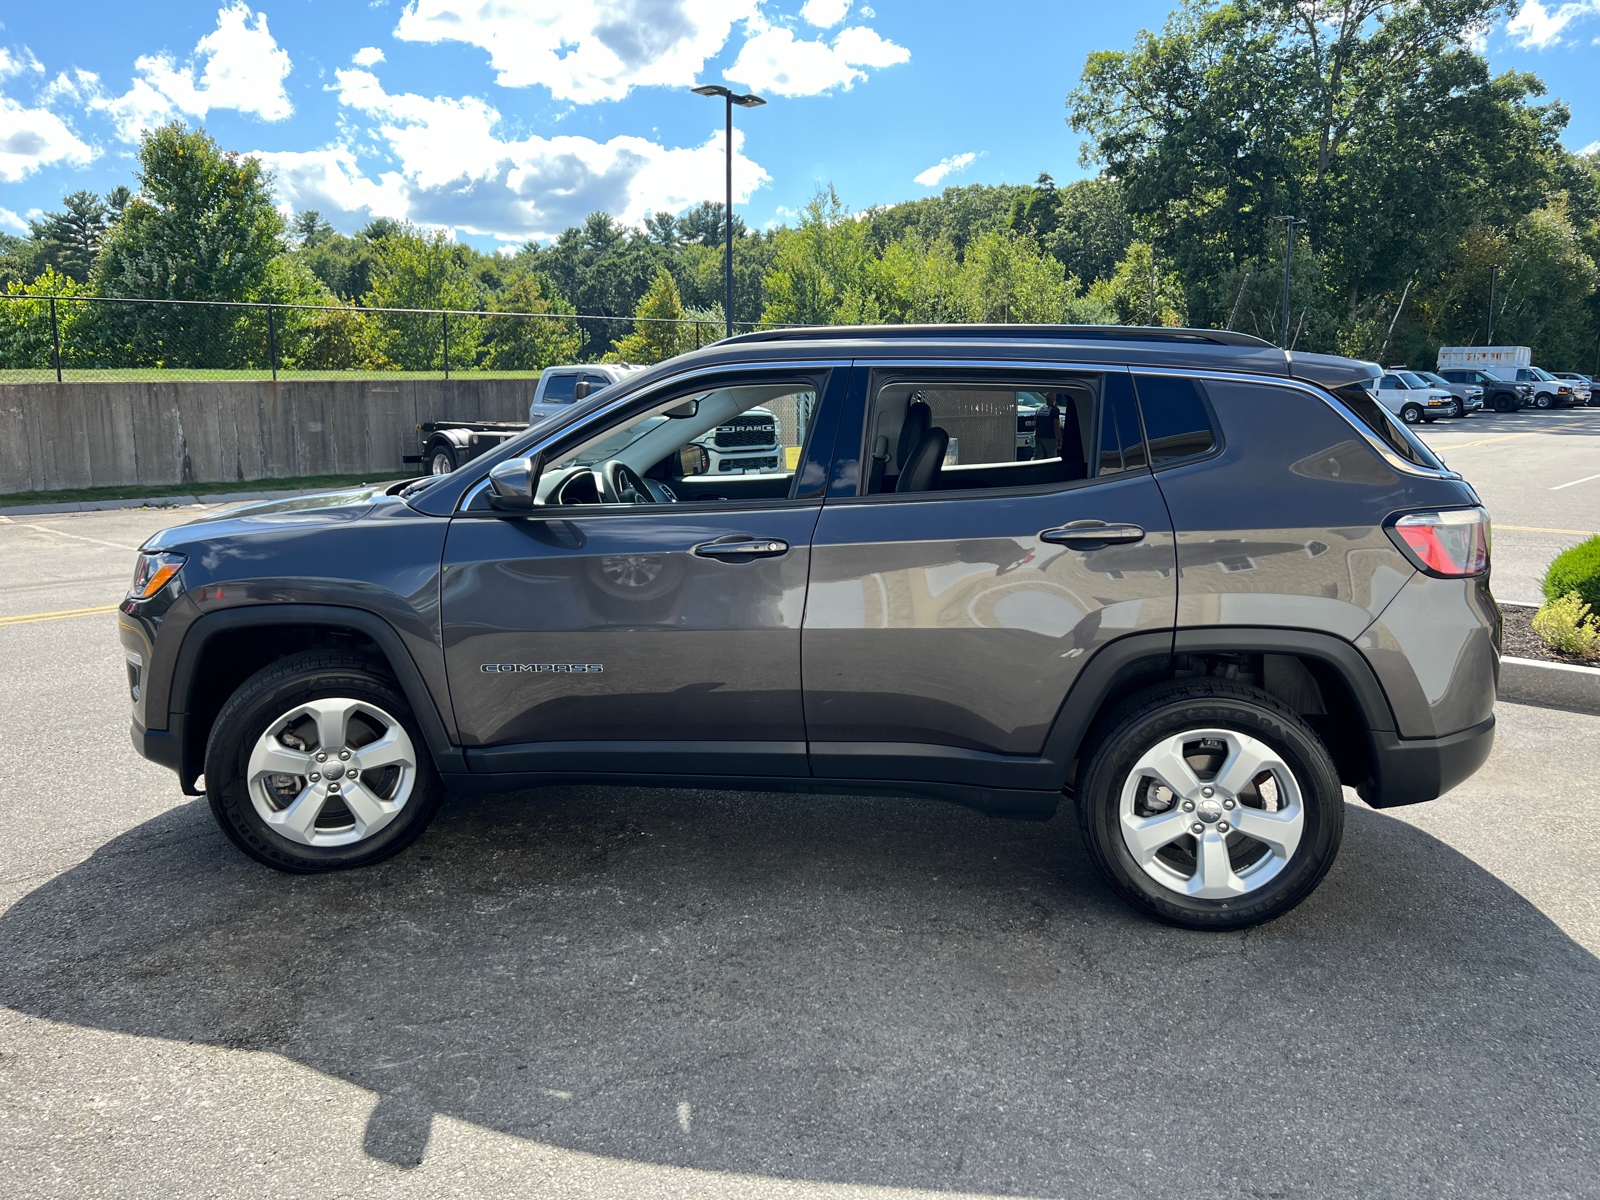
(45, 339)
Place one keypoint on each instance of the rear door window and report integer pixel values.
(1177, 418)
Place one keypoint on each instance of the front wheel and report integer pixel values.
(1542, 400)
(1410, 414)
(1458, 410)
(317, 763)
(1210, 805)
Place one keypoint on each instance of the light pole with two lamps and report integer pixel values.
(732, 98)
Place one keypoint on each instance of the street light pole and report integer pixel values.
(750, 101)
(1288, 259)
(1493, 271)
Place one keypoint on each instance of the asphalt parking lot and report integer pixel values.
(631, 993)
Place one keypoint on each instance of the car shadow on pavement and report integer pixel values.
(863, 991)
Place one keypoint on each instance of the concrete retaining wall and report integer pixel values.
(99, 434)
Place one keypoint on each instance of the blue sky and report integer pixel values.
(510, 120)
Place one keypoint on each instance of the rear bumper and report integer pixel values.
(1412, 770)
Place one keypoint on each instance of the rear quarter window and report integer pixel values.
(1177, 419)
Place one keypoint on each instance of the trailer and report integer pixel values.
(448, 444)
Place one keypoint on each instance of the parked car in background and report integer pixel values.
(1548, 391)
(1412, 398)
(1469, 396)
(1583, 381)
(1499, 393)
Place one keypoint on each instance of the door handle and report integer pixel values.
(1091, 535)
(742, 547)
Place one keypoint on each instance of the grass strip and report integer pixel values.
(154, 490)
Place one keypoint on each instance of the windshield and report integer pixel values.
(1540, 374)
(1436, 380)
(1412, 379)
(1493, 376)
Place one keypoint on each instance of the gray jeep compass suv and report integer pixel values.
(1237, 586)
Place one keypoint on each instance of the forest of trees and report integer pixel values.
(1414, 169)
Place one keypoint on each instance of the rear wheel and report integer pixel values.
(1410, 413)
(317, 763)
(441, 459)
(1210, 804)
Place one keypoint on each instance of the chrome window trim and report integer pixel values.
(671, 381)
(1373, 440)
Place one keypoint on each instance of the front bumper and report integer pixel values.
(1413, 770)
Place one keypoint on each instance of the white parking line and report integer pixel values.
(1574, 483)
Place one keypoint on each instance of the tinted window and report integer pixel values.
(560, 389)
(596, 382)
(1121, 441)
(1177, 423)
(1413, 380)
(1399, 439)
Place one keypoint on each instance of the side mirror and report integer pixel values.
(694, 460)
(511, 484)
(580, 390)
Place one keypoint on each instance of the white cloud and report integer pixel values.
(367, 56)
(1538, 28)
(1591, 148)
(583, 50)
(948, 166)
(453, 169)
(34, 138)
(775, 61)
(825, 13)
(18, 62)
(10, 220)
(236, 66)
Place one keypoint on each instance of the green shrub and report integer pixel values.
(1576, 570)
(1565, 625)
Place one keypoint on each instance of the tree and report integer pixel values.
(68, 241)
(653, 339)
(309, 229)
(1372, 119)
(529, 343)
(412, 269)
(1144, 290)
(823, 267)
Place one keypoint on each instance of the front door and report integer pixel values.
(956, 597)
(646, 618)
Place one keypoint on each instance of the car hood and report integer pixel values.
(321, 508)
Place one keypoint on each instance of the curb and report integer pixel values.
(1551, 685)
(23, 510)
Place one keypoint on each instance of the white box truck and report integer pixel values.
(1502, 360)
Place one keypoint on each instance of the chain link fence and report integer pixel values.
(80, 339)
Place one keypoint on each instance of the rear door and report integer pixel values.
(957, 592)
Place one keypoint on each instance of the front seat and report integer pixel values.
(921, 472)
(919, 418)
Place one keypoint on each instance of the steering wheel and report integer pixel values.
(620, 484)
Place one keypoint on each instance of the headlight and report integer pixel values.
(151, 573)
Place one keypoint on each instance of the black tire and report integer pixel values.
(1506, 404)
(1168, 710)
(1429, 420)
(442, 459)
(264, 698)
(1458, 409)
(1410, 413)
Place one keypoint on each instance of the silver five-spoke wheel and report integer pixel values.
(331, 772)
(1211, 813)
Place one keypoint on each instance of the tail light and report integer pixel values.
(151, 573)
(1448, 542)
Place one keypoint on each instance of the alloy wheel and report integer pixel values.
(331, 772)
(1211, 813)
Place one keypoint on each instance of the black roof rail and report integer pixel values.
(1068, 333)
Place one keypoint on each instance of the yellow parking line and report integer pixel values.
(1537, 529)
(1513, 436)
(30, 618)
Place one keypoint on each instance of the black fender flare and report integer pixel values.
(446, 756)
